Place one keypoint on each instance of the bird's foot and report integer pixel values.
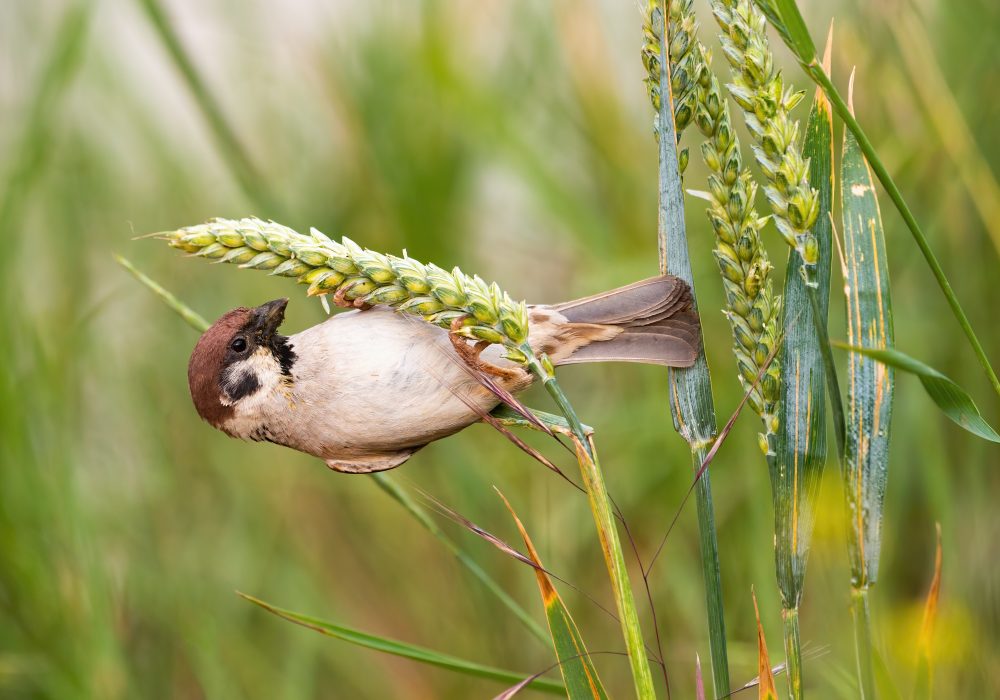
(343, 302)
(470, 354)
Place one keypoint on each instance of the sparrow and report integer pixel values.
(365, 389)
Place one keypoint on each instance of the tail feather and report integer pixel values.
(641, 302)
(652, 321)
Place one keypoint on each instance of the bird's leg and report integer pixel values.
(470, 354)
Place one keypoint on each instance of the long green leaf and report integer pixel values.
(408, 651)
(870, 383)
(575, 664)
(953, 400)
(870, 392)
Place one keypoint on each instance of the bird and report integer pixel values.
(365, 389)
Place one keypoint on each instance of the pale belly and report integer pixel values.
(373, 386)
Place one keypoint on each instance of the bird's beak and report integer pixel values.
(268, 317)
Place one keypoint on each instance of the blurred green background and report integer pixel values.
(512, 137)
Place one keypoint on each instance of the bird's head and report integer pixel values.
(238, 364)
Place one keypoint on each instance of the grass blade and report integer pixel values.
(192, 317)
(925, 685)
(870, 390)
(871, 383)
(398, 494)
(953, 400)
(801, 449)
(692, 406)
(576, 666)
(407, 651)
(765, 687)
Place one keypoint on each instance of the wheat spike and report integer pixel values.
(766, 104)
(357, 276)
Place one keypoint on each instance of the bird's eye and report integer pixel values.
(238, 345)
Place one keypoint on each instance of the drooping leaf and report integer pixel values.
(408, 651)
(576, 666)
(870, 383)
(924, 686)
(953, 400)
(765, 687)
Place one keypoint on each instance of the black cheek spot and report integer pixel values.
(246, 385)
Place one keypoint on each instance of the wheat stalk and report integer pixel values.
(766, 104)
(356, 276)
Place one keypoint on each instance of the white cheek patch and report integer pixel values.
(245, 381)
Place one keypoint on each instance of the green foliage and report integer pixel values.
(407, 651)
(953, 400)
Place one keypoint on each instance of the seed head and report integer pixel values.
(357, 275)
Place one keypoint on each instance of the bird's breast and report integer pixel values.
(377, 380)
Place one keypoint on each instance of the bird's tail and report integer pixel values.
(652, 321)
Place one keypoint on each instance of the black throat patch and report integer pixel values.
(283, 353)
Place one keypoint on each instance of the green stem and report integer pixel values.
(192, 317)
(863, 642)
(817, 73)
(600, 505)
(712, 573)
(398, 494)
(793, 652)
